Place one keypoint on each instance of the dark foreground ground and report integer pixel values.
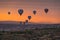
(30, 32)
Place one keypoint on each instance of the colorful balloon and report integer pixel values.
(29, 17)
(20, 11)
(34, 12)
(46, 10)
(9, 13)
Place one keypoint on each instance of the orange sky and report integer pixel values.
(53, 15)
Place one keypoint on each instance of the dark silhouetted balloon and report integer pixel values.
(26, 21)
(9, 13)
(20, 11)
(34, 12)
(46, 10)
(29, 17)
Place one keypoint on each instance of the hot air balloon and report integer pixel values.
(34, 12)
(20, 11)
(26, 21)
(29, 17)
(9, 13)
(46, 10)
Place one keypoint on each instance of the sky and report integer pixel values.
(53, 15)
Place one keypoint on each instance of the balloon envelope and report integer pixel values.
(9, 13)
(29, 17)
(46, 10)
(34, 12)
(20, 11)
(26, 21)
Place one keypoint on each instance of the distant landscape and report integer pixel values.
(17, 26)
(30, 31)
